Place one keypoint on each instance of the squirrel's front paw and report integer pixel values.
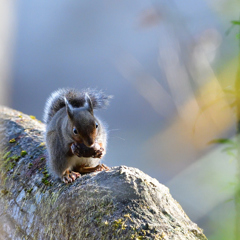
(81, 150)
(98, 153)
(70, 176)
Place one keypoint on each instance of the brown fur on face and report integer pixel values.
(83, 127)
(83, 122)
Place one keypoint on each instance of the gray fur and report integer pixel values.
(56, 101)
(59, 135)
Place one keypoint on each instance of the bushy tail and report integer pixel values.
(76, 98)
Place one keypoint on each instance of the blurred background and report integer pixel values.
(168, 65)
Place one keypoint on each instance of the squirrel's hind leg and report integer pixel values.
(70, 176)
(98, 168)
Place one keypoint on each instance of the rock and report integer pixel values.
(122, 203)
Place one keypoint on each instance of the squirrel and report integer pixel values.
(75, 138)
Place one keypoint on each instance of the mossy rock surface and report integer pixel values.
(122, 203)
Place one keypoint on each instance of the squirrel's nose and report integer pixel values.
(89, 143)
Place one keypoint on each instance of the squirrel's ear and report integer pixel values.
(88, 103)
(69, 108)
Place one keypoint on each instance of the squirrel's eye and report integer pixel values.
(96, 125)
(75, 131)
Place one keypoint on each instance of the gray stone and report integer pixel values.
(122, 203)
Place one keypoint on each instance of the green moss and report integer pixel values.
(13, 140)
(32, 117)
(119, 224)
(140, 238)
(128, 216)
(8, 164)
(45, 181)
(42, 144)
(6, 154)
(29, 190)
(11, 166)
(46, 175)
(4, 191)
(23, 153)
(15, 158)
